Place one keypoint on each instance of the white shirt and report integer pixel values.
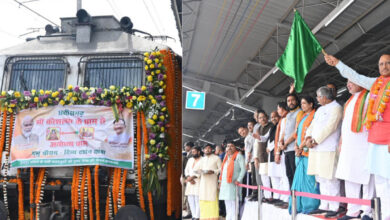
(249, 141)
(354, 147)
(325, 127)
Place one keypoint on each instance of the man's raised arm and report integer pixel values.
(349, 73)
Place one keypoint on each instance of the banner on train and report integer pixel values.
(74, 135)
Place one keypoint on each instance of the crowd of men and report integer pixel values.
(317, 147)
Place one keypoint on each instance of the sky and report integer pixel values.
(18, 23)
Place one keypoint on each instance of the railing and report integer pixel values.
(373, 203)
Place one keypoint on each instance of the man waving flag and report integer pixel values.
(301, 51)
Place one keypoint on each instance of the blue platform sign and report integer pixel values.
(195, 100)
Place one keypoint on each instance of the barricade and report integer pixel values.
(374, 203)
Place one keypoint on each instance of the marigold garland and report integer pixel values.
(173, 93)
(151, 206)
(20, 197)
(39, 190)
(375, 108)
(31, 192)
(123, 187)
(97, 199)
(139, 168)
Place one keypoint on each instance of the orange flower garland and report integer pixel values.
(151, 206)
(170, 168)
(20, 197)
(97, 200)
(173, 95)
(40, 180)
(375, 110)
(31, 192)
(139, 167)
(123, 196)
(74, 191)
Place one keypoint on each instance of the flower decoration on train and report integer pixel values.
(148, 98)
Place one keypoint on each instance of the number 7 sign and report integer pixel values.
(195, 100)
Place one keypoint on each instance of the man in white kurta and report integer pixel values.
(378, 135)
(209, 167)
(228, 189)
(278, 174)
(193, 182)
(354, 147)
(323, 138)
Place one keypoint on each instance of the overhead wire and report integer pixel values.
(213, 33)
(114, 8)
(158, 17)
(219, 33)
(40, 15)
(151, 16)
(238, 36)
(231, 36)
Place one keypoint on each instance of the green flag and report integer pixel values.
(301, 51)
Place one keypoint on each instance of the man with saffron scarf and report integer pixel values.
(232, 173)
(354, 147)
(208, 168)
(323, 138)
(279, 171)
(377, 123)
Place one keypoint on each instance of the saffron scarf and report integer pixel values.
(305, 126)
(276, 149)
(358, 111)
(230, 167)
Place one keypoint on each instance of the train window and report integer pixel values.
(118, 71)
(46, 74)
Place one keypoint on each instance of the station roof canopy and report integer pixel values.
(230, 48)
